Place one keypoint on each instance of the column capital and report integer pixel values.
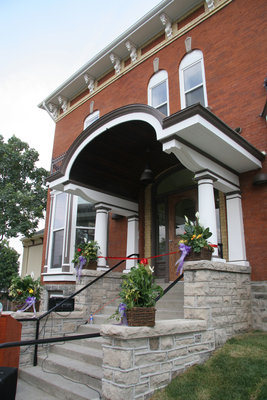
(102, 207)
(202, 175)
(233, 195)
(133, 217)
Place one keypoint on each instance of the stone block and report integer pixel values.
(108, 374)
(111, 391)
(132, 343)
(197, 313)
(157, 381)
(189, 301)
(148, 370)
(184, 341)
(117, 358)
(127, 378)
(183, 351)
(150, 358)
(166, 342)
(141, 389)
(154, 343)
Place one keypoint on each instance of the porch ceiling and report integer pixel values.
(114, 161)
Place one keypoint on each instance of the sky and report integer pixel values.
(42, 43)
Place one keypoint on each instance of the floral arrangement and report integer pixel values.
(195, 235)
(86, 251)
(23, 288)
(138, 289)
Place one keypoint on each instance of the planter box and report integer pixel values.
(141, 316)
(91, 265)
(205, 254)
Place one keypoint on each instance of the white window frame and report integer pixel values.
(189, 60)
(54, 195)
(157, 79)
(91, 118)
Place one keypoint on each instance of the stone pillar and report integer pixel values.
(101, 232)
(206, 206)
(132, 240)
(236, 237)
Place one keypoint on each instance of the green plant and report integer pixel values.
(138, 288)
(88, 250)
(22, 288)
(195, 235)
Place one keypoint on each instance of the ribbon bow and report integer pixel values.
(30, 301)
(79, 267)
(185, 250)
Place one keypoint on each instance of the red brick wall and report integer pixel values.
(233, 42)
(117, 241)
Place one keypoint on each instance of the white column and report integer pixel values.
(101, 233)
(236, 237)
(206, 207)
(132, 240)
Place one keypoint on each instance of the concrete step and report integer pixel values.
(30, 392)
(77, 352)
(78, 371)
(55, 386)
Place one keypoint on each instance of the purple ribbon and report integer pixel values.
(79, 267)
(185, 250)
(122, 311)
(30, 301)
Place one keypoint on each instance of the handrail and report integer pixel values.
(74, 337)
(38, 319)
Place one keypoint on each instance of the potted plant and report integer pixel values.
(138, 294)
(25, 292)
(196, 238)
(86, 254)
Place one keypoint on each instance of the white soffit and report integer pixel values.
(202, 135)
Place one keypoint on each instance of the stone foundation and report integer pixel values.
(259, 305)
(138, 361)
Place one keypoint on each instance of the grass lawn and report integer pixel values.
(237, 371)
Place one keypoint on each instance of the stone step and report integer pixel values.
(27, 391)
(75, 351)
(55, 386)
(79, 371)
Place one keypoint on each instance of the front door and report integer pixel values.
(179, 205)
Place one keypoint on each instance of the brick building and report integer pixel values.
(182, 94)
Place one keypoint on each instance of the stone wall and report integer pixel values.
(100, 293)
(259, 305)
(57, 324)
(219, 293)
(138, 361)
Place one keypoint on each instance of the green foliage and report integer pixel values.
(138, 288)
(195, 235)
(8, 266)
(22, 189)
(89, 250)
(238, 371)
(21, 288)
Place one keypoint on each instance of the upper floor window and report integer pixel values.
(192, 80)
(90, 119)
(158, 92)
(85, 221)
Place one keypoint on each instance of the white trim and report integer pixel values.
(59, 277)
(156, 80)
(188, 61)
(91, 118)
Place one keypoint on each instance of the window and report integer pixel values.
(192, 80)
(90, 119)
(85, 221)
(158, 93)
(58, 230)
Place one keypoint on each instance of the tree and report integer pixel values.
(22, 189)
(9, 266)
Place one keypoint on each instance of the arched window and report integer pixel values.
(90, 119)
(158, 92)
(192, 80)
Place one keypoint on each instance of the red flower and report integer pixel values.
(79, 250)
(144, 261)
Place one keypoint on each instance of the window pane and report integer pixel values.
(85, 214)
(60, 209)
(159, 94)
(196, 96)
(57, 249)
(192, 76)
(184, 207)
(84, 234)
(163, 109)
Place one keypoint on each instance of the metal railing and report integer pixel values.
(38, 341)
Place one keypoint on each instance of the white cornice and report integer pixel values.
(139, 33)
